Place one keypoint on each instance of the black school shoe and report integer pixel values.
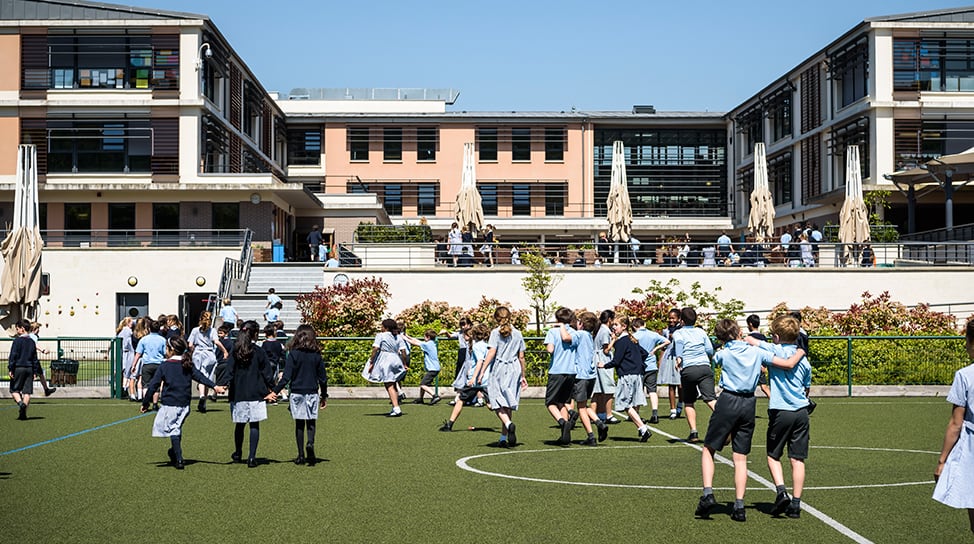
(703, 507)
(590, 441)
(781, 502)
(645, 435)
(794, 512)
(566, 433)
(512, 434)
(310, 453)
(603, 430)
(738, 515)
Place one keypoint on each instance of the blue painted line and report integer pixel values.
(72, 435)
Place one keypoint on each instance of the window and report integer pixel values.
(521, 199)
(121, 222)
(304, 147)
(426, 194)
(226, 215)
(554, 144)
(253, 111)
(520, 144)
(426, 144)
(487, 143)
(119, 146)
(929, 64)
(554, 200)
(779, 177)
(750, 125)
(850, 70)
(77, 224)
(392, 144)
(358, 144)
(856, 132)
(165, 216)
(488, 198)
(111, 62)
(779, 115)
(392, 199)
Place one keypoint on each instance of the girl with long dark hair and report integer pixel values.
(250, 378)
(305, 371)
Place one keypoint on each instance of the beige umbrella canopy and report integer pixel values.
(470, 210)
(853, 217)
(760, 221)
(20, 281)
(619, 207)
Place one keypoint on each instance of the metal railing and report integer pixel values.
(958, 233)
(77, 361)
(118, 238)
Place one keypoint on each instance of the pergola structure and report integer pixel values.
(944, 171)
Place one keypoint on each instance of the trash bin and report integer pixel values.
(277, 252)
(64, 372)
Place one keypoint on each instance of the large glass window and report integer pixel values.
(117, 146)
(77, 224)
(849, 69)
(554, 199)
(487, 144)
(488, 198)
(426, 144)
(779, 115)
(392, 198)
(520, 199)
(520, 144)
(426, 194)
(304, 146)
(930, 64)
(554, 144)
(111, 62)
(165, 216)
(780, 178)
(121, 222)
(358, 144)
(392, 144)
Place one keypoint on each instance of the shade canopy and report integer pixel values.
(470, 210)
(760, 220)
(618, 206)
(853, 217)
(20, 280)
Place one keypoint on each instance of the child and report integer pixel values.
(124, 334)
(223, 355)
(250, 379)
(23, 367)
(228, 314)
(630, 359)
(431, 363)
(605, 382)
(473, 387)
(754, 330)
(386, 364)
(955, 468)
(35, 328)
(274, 349)
(788, 412)
(733, 416)
(204, 345)
(561, 374)
(693, 350)
(583, 342)
(272, 314)
(305, 371)
(272, 299)
(668, 374)
(462, 345)
(505, 363)
(150, 353)
(651, 342)
(178, 373)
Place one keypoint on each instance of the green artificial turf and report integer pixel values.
(397, 480)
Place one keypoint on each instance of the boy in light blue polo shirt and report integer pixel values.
(584, 343)
(561, 373)
(151, 352)
(788, 411)
(651, 342)
(431, 363)
(733, 414)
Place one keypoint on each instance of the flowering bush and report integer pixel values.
(354, 309)
(659, 298)
(428, 314)
(874, 316)
(484, 313)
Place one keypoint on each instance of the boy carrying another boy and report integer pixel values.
(733, 414)
(787, 414)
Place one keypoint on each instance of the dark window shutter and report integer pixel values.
(36, 73)
(165, 149)
(34, 131)
(236, 96)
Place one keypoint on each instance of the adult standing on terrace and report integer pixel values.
(314, 240)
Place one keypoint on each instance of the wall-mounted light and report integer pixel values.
(255, 198)
(132, 281)
(199, 56)
(200, 281)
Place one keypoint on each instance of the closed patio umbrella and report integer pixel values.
(760, 220)
(20, 280)
(618, 206)
(853, 217)
(470, 210)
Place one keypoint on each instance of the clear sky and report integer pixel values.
(539, 55)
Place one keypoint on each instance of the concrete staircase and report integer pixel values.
(288, 280)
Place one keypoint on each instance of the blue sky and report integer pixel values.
(538, 55)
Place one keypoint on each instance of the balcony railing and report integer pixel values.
(115, 238)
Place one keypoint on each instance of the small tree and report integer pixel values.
(659, 298)
(539, 284)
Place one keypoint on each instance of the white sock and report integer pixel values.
(643, 429)
(396, 410)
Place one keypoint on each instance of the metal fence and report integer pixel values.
(836, 360)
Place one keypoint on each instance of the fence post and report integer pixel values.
(115, 365)
(848, 340)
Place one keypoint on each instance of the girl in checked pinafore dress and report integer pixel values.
(250, 378)
(955, 470)
(506, 361)
(204, 343)
(387, 364)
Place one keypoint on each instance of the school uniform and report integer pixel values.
(629, 359)
(693, 349)
(955, 487)
(561, 371)
(175, 396)
(605, 381)
(23, 364)
(734, 412)
(275, 353)
(204, 350)
(668, 374)
(585, 367)
(128, 351)
(504, 383)
(787, 408)
(648, 340)
(153, 349)
(431, 362)
(305, 371)
(387, 366)
(249, 381)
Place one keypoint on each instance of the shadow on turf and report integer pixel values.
(5, 475)
(720, 509)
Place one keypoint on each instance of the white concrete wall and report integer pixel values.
(84, 283)
(760, 290)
